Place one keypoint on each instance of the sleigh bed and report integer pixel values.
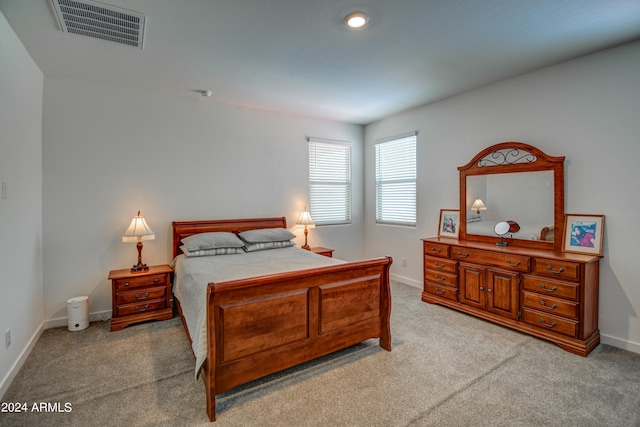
(258, 325)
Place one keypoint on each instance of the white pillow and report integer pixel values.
(219, 239)
(267, 235)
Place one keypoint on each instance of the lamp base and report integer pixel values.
(139, 267)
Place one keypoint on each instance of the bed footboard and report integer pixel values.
(263, 325)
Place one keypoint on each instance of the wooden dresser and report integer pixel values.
(140, 296)
(548, 294)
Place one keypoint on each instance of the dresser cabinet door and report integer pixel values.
(502, 293)
(473, 285)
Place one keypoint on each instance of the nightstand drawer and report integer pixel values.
(141, 307)
(141, 294)
(134, 282)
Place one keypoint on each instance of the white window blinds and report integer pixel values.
(329, 181)
(396, 181)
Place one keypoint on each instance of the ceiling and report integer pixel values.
(298, 57)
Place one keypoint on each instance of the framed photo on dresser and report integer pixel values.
(583, 233)
(449, 223)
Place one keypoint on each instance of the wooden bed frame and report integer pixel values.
(262, 325)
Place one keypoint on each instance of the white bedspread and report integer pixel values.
(192, 275)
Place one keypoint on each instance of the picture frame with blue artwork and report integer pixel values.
(449, 223)
(583, 233)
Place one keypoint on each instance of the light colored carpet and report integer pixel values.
(445, 369)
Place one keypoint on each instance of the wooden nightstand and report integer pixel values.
(323, 251)
(140, 296)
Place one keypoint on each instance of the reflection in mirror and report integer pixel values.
(524, 197)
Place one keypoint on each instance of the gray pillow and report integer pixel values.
(267, 235)
(220, 239)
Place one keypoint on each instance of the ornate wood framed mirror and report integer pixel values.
(518, 183)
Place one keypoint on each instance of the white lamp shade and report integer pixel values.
(478, 205)
(305, 218)
(138, 230)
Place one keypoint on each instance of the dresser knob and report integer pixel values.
(156, 280)
(126, 285)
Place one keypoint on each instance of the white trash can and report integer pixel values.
(78, 313)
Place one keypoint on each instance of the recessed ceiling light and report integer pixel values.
(356, 19)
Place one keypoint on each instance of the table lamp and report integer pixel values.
(305, 219)
(138, 231)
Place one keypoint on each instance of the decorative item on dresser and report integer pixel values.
(140, 296)
(528, 285)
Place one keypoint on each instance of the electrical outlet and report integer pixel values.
(7, 338)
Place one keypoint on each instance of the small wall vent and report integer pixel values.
(100, 21)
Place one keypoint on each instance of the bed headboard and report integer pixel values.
(182, 229)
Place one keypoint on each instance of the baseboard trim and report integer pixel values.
(620, 343)
(99, 316)
(8, 379)
(406, 281)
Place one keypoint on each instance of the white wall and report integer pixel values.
(587, 110)
(109, 151)
(21, 211)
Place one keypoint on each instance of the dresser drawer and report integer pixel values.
(134, 282)
(141, 294)
(441, 291)
(550, 322)
(556, 268)
(439, 264)
(436, 249)
(441, 278)
(551, 287)
(551, 305)
(141, 307)
(503, 260)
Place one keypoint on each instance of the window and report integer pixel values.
(329, 181)
(396, 181)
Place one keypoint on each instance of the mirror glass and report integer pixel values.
(524, 197)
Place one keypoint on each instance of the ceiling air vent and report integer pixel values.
(100, 21)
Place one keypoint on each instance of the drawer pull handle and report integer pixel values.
(463, 255)
(547, 289)
(126, 285)
(553, 307)
(436, 250)
(441, 278)
(489, 290)
(139, 298)
(440, 292)
(156, 280)
(481, 288)
(438, 265)
(555, 271)
(512, 264)
(546, 324)
(146, 307)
